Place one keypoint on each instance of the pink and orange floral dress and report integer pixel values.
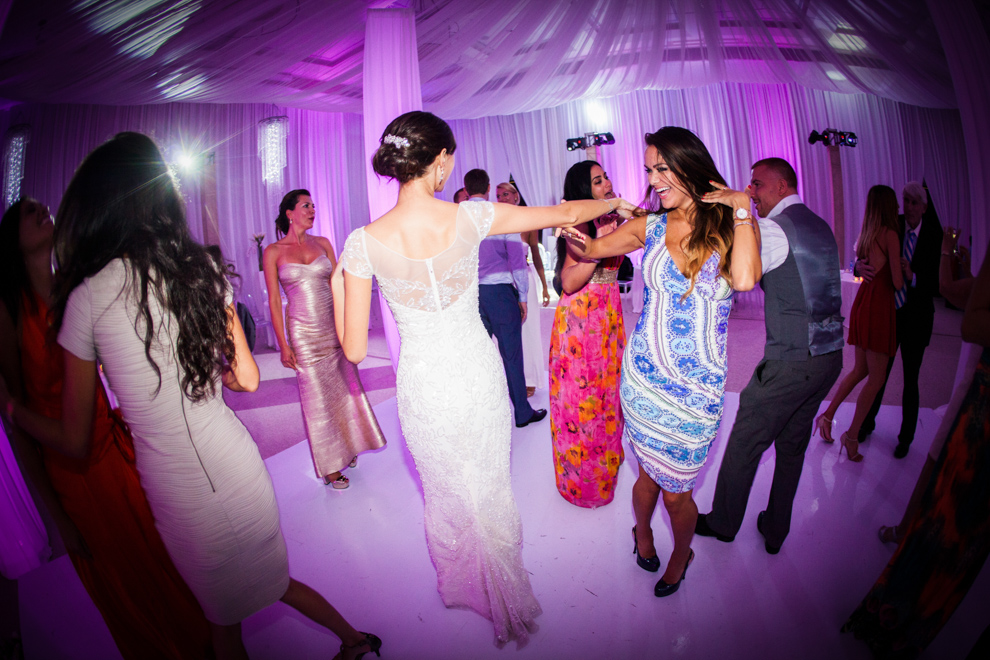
(585, 413)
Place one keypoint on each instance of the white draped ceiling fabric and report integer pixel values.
(391, 87)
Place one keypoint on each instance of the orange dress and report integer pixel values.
(147, 606)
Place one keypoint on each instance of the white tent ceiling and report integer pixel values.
(476, 59)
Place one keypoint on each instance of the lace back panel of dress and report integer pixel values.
(432, 284)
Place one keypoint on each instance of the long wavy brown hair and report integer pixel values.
(122, 203)
(688, 158)
(881, 214)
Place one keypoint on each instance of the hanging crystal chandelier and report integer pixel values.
(14, 146)
(272, 134)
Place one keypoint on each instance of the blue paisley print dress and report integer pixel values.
(673, 370)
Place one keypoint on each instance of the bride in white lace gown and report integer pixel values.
(452, 396)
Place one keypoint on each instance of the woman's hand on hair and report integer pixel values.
(727, 196)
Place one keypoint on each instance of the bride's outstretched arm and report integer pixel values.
(351, 311)
(511, 219)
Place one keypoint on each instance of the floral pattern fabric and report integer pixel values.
(585, 414)
(673, 372)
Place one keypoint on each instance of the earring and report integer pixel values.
(441, 175)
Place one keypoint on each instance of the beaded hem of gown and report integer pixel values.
(454, 409)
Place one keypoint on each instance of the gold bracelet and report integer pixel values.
(748, 224)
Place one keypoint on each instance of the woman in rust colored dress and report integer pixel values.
(872, 324)
(97, 502)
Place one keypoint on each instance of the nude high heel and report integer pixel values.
(852, 448)
(823, 427)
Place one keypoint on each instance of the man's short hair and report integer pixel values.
(476, 182)
(781, 168)
(916, 191)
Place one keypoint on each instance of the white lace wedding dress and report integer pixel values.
(454, 409)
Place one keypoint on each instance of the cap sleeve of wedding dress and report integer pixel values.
(355, 257)
(475, 220)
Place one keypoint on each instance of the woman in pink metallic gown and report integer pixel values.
(339, 420)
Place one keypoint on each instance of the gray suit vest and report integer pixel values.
(803, 295)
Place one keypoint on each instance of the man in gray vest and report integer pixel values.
(801, 360)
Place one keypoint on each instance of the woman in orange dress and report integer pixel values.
(586, 347)
(97, 502)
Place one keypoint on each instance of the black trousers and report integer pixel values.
(777, 408)
(912, 342)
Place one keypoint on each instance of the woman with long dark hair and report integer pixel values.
(586, 346)
(137, 292)
(872, 323)
(702, 246)
(451, 391)
(96, 501)
(340, 423)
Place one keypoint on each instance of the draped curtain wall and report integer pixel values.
(739, 123)
(324, 154)
(966, 40)
(391, 88)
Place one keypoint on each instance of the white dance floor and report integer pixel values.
(364, 548)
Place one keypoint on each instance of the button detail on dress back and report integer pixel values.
(433, 283)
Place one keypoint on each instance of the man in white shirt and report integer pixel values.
(801, 361)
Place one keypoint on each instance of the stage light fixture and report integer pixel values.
(590, 140)
(820, 137)
(831, 136)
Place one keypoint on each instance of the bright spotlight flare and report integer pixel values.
(830, 136)
(188, 162)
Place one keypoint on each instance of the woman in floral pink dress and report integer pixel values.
(585, 359)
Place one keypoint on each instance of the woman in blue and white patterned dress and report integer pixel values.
(699, 249)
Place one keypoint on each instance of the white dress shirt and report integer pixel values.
(773, 241)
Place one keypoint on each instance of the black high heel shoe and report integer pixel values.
(651, 564)
(372, 641)
(663, 589)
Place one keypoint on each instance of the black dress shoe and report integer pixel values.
(651, 564)
(701, 528)
(537, 416)
(901, 450)
(864, 433)
(662, 589)
(771, 549)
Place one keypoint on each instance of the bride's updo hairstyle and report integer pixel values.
(410, 143)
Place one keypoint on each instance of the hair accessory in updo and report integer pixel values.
(395, 140)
